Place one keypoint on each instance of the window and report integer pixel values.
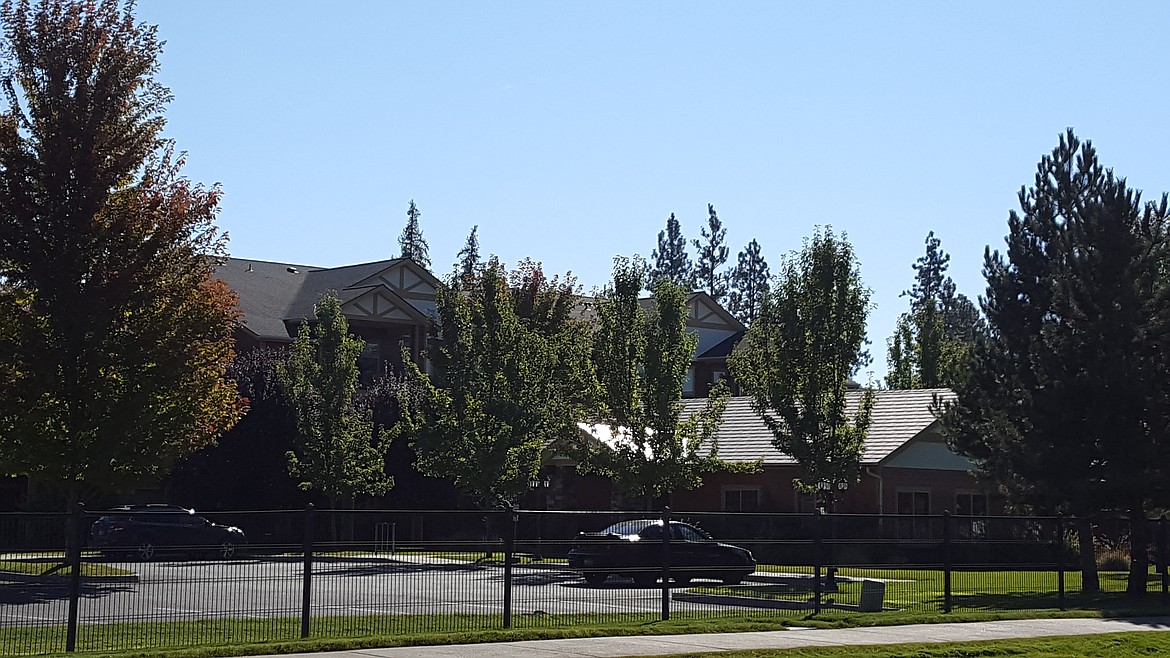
(689, 384)
(741, 499)
(970, 504)
(914, 503)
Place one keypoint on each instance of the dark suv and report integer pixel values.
(144, 531)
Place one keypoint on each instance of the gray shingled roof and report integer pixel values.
(271, 293)
(898, 417)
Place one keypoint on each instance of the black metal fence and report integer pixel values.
(317, 573)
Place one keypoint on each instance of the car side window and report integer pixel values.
(687, 533)
(651, 532)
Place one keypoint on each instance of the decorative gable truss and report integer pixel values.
(406, 278)
(706, 313)
(379, 303)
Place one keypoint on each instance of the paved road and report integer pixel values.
(273, 587)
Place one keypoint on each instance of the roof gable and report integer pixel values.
(703, 311)
(405, 277)
(378, 303)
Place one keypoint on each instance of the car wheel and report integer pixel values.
(644, 579)
(732, 580)
(595, 579)
(227, 550)
(683, 580)
(144, 549)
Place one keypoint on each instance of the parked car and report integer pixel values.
(145, 531)
(634, 549)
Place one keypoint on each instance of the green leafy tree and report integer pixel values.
(115, 334)
(712, 252)
(748, 283)
(798, 356)
(671, 260)
(507, 388)
(1066, 400)
(411, 243)
(642, 359)
(932, 340)
(336, 452)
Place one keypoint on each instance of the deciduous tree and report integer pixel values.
(642, 358)
(798, 356)
(506, 387)
(114, 333)
(336, 452)
(1067, 400)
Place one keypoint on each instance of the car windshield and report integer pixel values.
(630, 527)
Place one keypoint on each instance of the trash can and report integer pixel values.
(873, 592)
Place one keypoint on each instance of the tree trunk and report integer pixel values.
(1139, 559)
(1089, 582)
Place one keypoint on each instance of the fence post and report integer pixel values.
(665, 563)
(307, 574)
(947, 561)
(818, 558)
(73, 543)
(1060, 559)
(512, 519)
(1163, 553)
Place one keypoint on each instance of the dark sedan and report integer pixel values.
(145, 531)
(634, 549)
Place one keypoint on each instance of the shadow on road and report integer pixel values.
(46, 592)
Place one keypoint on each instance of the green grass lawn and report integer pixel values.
(917, 595)
(50, 569)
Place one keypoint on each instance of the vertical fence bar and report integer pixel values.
(665, 563)
(818, 558)
(1060, 560)
(512, 519)
(307, 574)
(1163, 553)
(947, 602)
(73, 559)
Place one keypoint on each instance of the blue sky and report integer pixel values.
(568, 132)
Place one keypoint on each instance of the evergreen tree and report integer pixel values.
(671, 260)
(642, 358)
(468, 263)
(712, 255)
(934, 337)
(748, 283)
(412, 243)
(115, 335)
(1066, 401)
(336, 452)
(798, 356)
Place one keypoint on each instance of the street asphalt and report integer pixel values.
(658, 645)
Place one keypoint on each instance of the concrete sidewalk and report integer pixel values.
(657, 645)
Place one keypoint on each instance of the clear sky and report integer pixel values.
(568, 132)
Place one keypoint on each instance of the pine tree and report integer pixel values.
(798, 356)
(934, 337)
(748, 283)
(468, 263)
(412, 243)
(671, 260)
(1066, 402)
(712, 255)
